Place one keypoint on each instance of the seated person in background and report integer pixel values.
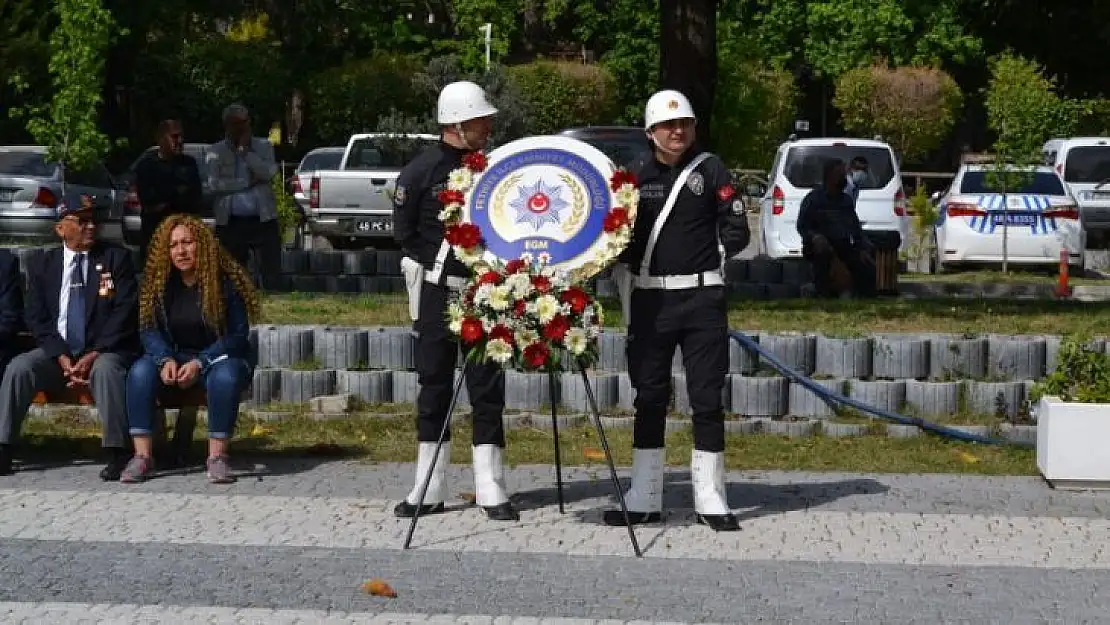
(195, 311)
(830, 228)
(11, 307)
(81, 311)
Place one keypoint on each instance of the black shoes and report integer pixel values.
(719, 522)
(6, 460)
(117, 462)
(615, 518)
(503, 512)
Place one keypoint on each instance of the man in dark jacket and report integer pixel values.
(82, 310)
(11, 307)
(830, 228)
(167, 181)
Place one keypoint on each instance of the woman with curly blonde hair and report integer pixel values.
(196, 305)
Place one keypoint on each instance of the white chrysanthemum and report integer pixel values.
(546, 308)
(628, 196)
(520, 284)
(525, 337)
(499, 298)
(450, 212)
(576, 341)
(455, 326)
(482, 294)
(499, 351)
(460, 180)
(468, 256)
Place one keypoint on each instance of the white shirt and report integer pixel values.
(68, 257)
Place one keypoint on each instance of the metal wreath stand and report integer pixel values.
(594, 412)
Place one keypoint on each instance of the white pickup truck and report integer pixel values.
(352, 206)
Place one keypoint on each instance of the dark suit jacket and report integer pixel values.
(11, 303)
(112, 322)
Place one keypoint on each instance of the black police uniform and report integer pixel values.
(688, 308)
(420, 232)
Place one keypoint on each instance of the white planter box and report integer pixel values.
(1073, 444)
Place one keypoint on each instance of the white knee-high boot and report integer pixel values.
(437, 486)
(489, 476)
(707, 474)
(646, 493)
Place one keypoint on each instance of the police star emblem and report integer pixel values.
(399, 196)
(673, 104)
(696, 183)
(538, 204)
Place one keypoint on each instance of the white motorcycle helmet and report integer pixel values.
(665, 106)
(462, 101)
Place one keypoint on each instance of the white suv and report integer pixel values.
(797, 170)
(1084, 164)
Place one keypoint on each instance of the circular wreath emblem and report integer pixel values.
(523, 312)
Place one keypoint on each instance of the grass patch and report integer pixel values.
(833, 317)
(1031, 275)
(378, 439)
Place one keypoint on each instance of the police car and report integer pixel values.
(1040, 218)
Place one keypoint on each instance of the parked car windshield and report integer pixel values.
(1042, 183)
(386, 152)
(1089, 164)
(25, 163)
(315, 161)
(623, 147)
(805, 163)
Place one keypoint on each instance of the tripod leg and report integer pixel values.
(435, 458)
(609, 458)
(555, 437)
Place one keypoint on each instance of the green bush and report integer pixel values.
(753, 112)
(1082, 375)
(351, 98)
(564, 94)
(913, 108)
(513, 119)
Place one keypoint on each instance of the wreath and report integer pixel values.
(523, 312)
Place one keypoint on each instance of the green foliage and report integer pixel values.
(914, 108)
(561, 94)
(757, 103)
(352, 97)
(1094, 119)
(513, 118)
(69, 125)
(286, 205)
(1082, 375)
(1024, 111)
(469, 43)
(24, 53)
(217, 72)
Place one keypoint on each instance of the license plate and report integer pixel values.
(1100, 195)
(1016, 220)
(7, 195)
(374, 225)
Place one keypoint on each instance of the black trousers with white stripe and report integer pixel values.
(437, 353)
(697, 321)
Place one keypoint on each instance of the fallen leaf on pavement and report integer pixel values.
(968, 458)
(593, 454)
(378, 588)
(469, 498)
(261, 430)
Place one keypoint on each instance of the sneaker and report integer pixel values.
(137, 470)
(219, 471)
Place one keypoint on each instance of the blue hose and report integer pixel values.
(827, 395)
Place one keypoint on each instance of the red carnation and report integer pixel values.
(620, 178)
(471, 291)
(617, 218)
(475, 162)
(471, 330)
(725, 193)
(541, 284)
(556, 329)
(520, 308)
(577, 298)
(502, 332)
(489, 277)
(451, 196)
(513, 266)
(535, 355)
(465, 235)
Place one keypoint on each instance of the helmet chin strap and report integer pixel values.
(659, 147)
(462, 136)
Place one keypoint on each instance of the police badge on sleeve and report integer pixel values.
(399, 195)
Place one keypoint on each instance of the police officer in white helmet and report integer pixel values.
(690, 220)
(434, 276)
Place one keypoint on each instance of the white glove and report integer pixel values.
(414, 280)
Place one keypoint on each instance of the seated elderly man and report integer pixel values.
(11, 307)
(830, 229)
(82, 310)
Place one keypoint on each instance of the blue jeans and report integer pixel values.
(223, 383)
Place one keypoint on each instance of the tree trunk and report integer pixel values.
(688, 55)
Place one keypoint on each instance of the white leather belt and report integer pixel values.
(675, 283)
(451, 282)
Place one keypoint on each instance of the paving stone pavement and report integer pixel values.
(292, 541)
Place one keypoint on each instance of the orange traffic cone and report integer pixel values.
(1062, 287)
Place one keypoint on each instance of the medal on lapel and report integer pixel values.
(106, 287)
